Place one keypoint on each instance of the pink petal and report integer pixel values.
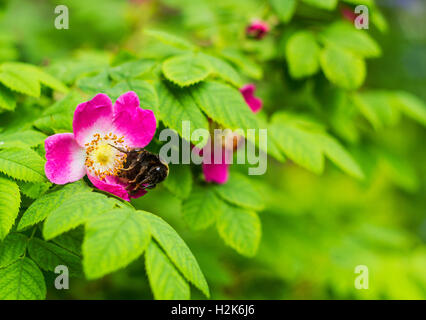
(135, 124)
(216, 171)
(257, 29)
(115, 186)
(253, 102)
(65, 159)
(348, 13)
(93, 116)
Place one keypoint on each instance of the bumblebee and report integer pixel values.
(142, 169)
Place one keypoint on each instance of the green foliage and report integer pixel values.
(75, 210)
(10, 201)
(113, 240)
(48, 256)
(345, 36)
(323, 4)
(200, 210)
(240, 229)
(240, 191)
(411, 106)
(170, 39)
(26, 79)
(284, 9)
(22, 164)
(224, 104)
(333, 150)
(43, 206)
(131, 69)
(342, 67)
(299, 146)
(177, 106)
(7, 99)
(22, 280)
(11, 248)
(177, 251)
(146, 92)
(179, 181)
(26, 138)
(186, 70)
(165, 280)
(223, 69)
(306, 144)
(302, 53)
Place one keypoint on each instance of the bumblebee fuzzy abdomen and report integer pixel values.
(142, 170)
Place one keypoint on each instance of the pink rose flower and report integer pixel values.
(257, 29)
(218, 171)
(97, 125)
(253, 102)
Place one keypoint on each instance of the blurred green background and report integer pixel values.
(315, 229)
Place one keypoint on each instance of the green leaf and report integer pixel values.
(10, 201)
(59, 116)
(48, 256)
(42, 207)
(345, 35)
(131, 69)
(177, 251)
(165, 280)
(29, 138)
(185, 70)
(71, 240)
(240, 191)
(146, 92)
(199, 211)
(247, 66)
(7, 99)
(340, 156)
(342, 67)
(22, 280)
(176, 105)
(299, 145)
(22, 164)
(240, 229)
(20, 77)
(223, 69)
(284, 8)
(323, 4)
(271, 147)
(411, 106)
(95, 84)
(170, 39)
(378, 107)
(113, 240)
(179, 181)
(225, 105)
(302, 52)
(50, 81)
(11, 248)
(400, 171)
(75, 210)
(34, 190)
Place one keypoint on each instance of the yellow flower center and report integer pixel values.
(103, 155)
